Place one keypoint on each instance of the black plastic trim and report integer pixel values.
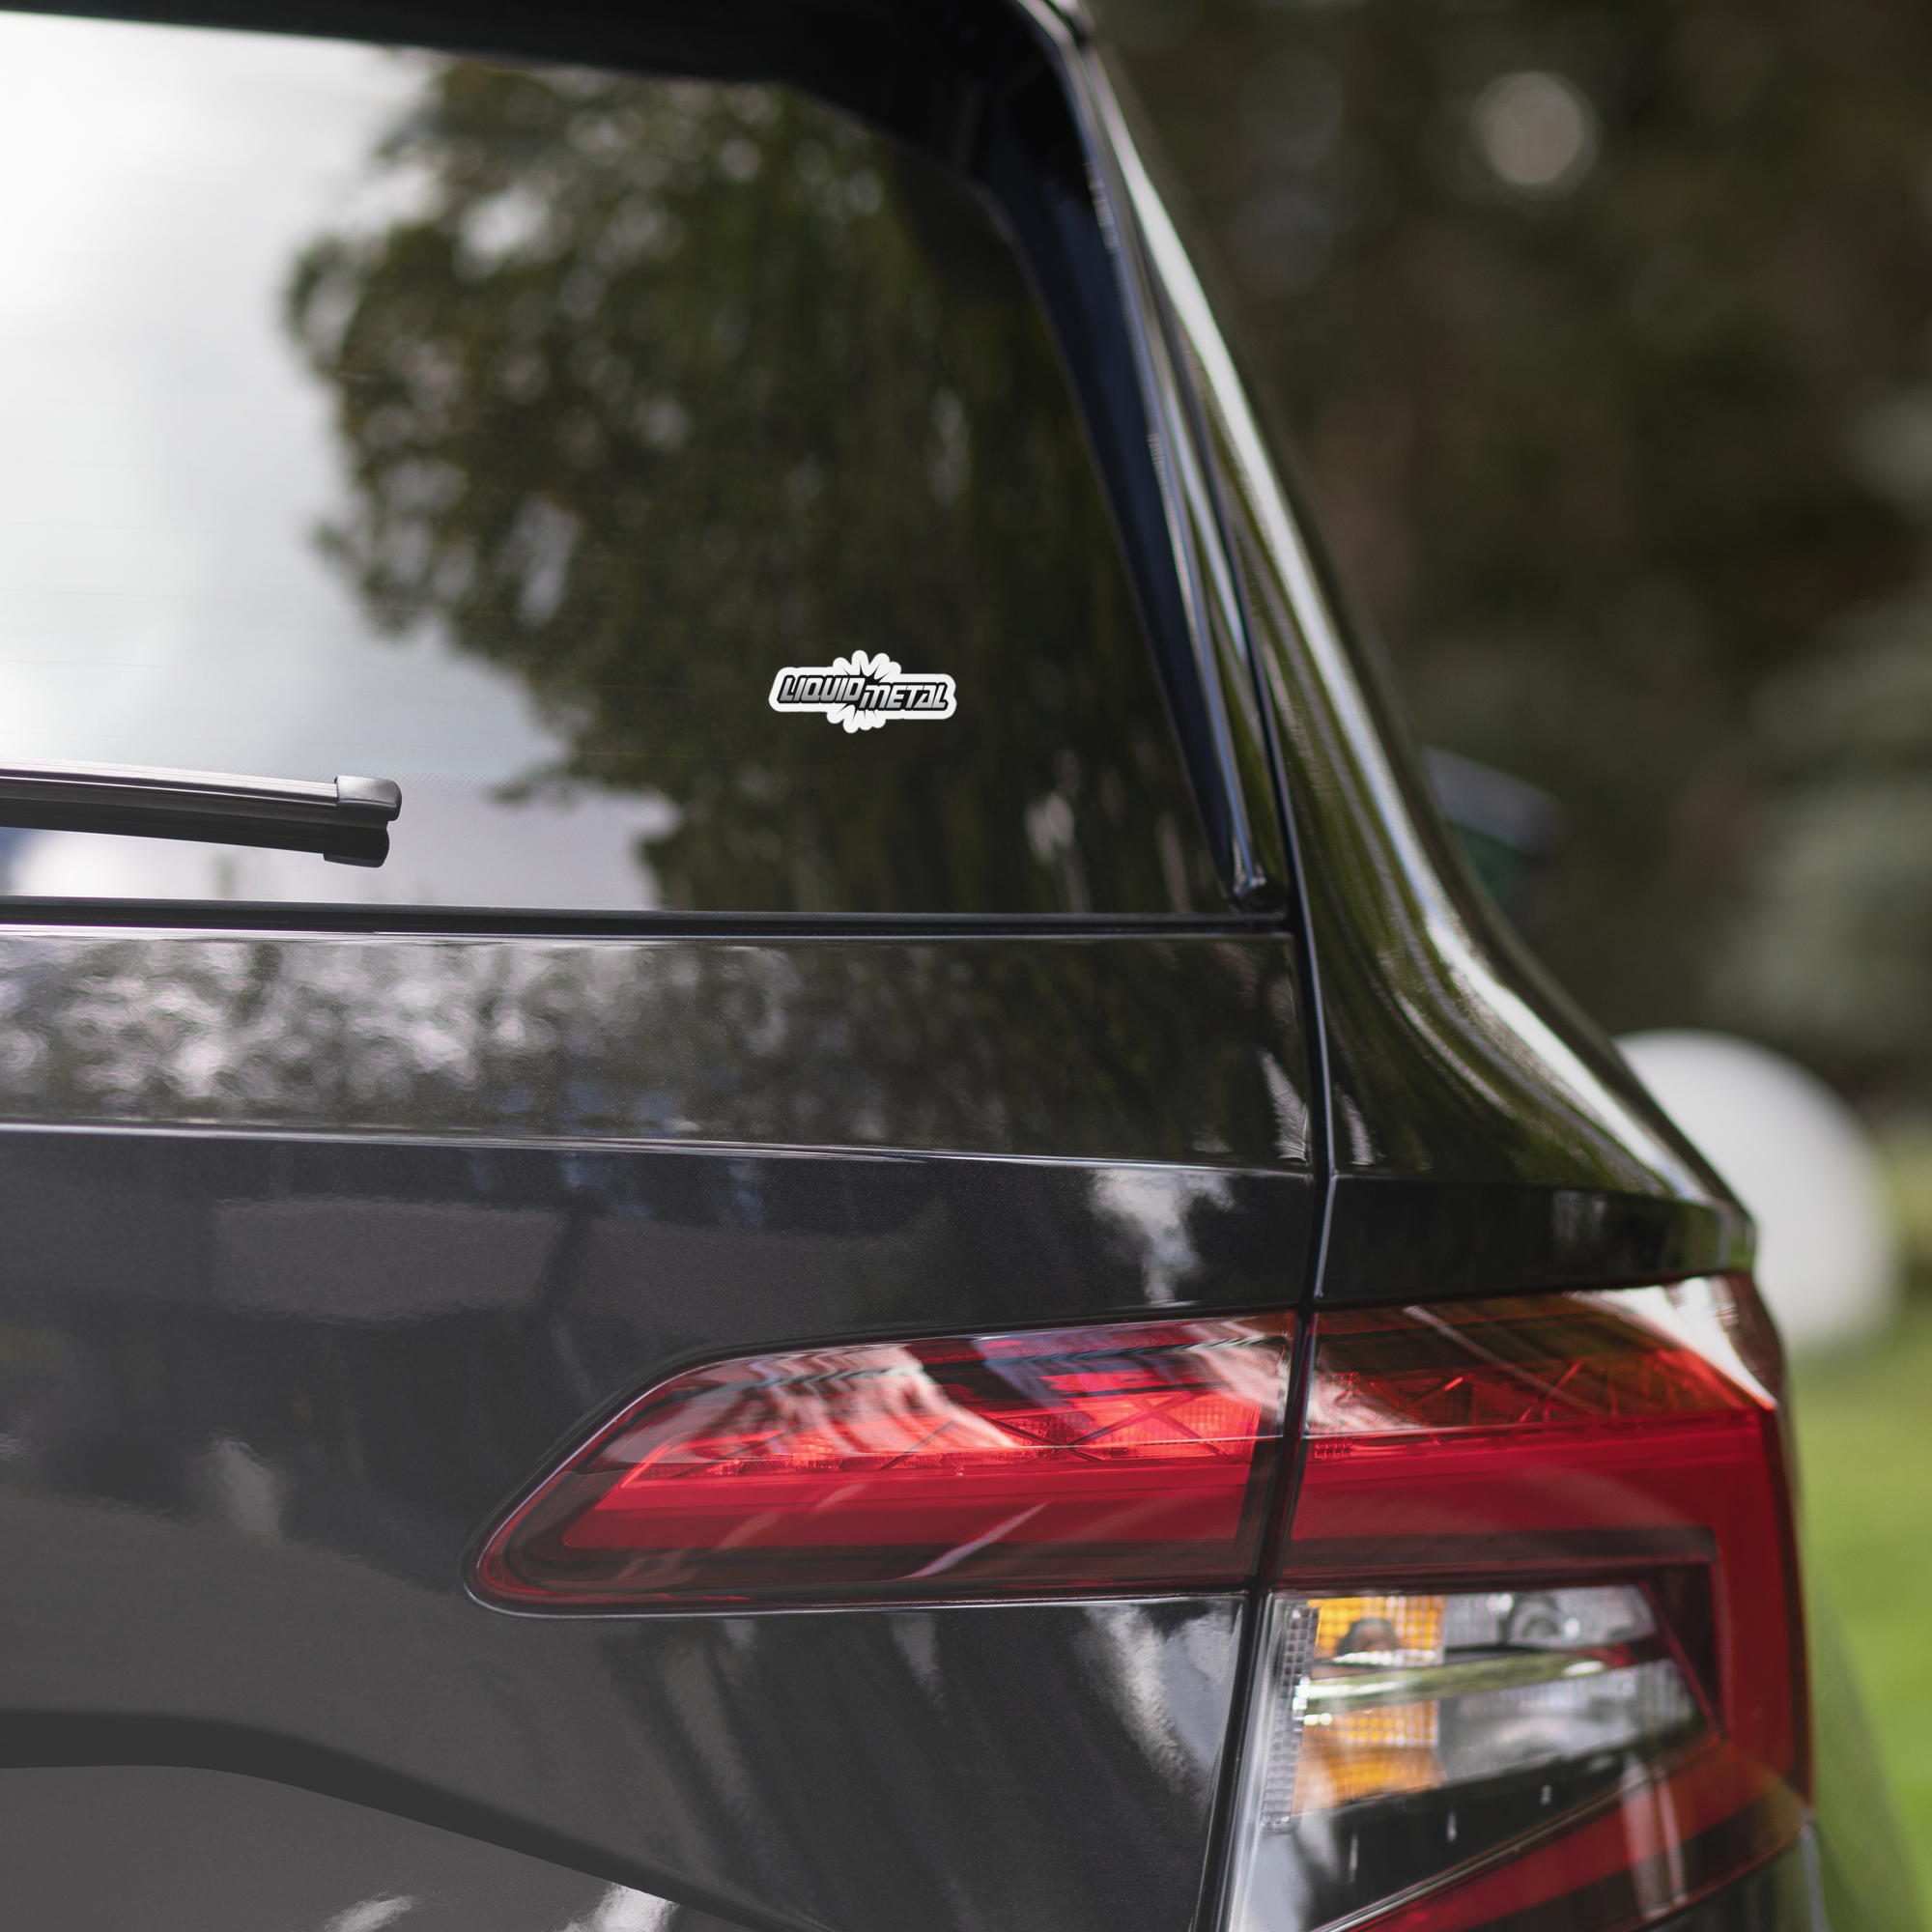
(1404, 1239)
(285, 915)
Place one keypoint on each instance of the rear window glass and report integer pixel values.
(534, 437)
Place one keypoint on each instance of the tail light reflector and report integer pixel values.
(1536, 1647)
(1131, 1456)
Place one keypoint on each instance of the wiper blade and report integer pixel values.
(346, 821)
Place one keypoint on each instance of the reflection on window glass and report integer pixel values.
(506, 432)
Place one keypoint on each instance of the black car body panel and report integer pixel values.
(326, 1231)
(209, 1851)
(1169, 1045)
(309, 1359)
(273, 1379)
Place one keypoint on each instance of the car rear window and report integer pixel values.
(673, 486)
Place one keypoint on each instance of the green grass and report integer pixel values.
(1864, 1451)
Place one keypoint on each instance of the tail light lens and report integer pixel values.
(1530, 1647)
(1535, 1650)
(1085, 1460)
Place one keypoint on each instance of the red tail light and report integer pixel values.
(1083, 1460)
(1536, 1652)
(1530, 1647)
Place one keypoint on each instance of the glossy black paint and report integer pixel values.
(201, 1851)
(396, 1335)
(1483, 1133)
(262, 1377)
(1167, 1046)
(209, 1853)
(864, 1769)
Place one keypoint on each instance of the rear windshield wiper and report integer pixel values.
(346, 821)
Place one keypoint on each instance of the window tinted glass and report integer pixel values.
(508, 432)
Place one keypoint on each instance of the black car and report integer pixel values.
(763, 1168)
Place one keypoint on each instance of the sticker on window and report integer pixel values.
(862, 693)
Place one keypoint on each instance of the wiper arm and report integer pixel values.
(346, 821)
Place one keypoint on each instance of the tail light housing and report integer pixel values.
(1533, 1651)
(1528, 1633)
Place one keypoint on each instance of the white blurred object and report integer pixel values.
(1538, 132)
(1802, 1161)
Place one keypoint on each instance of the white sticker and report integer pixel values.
(862, 693)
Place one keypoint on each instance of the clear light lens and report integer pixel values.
(1399, 1737)
(1404, 1736)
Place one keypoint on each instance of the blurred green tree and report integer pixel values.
(1599, 331)
(1832, 953)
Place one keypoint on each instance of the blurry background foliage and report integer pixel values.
(1604, 336)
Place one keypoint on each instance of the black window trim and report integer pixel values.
(295, 919)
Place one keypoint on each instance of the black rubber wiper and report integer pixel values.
(346, 821)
